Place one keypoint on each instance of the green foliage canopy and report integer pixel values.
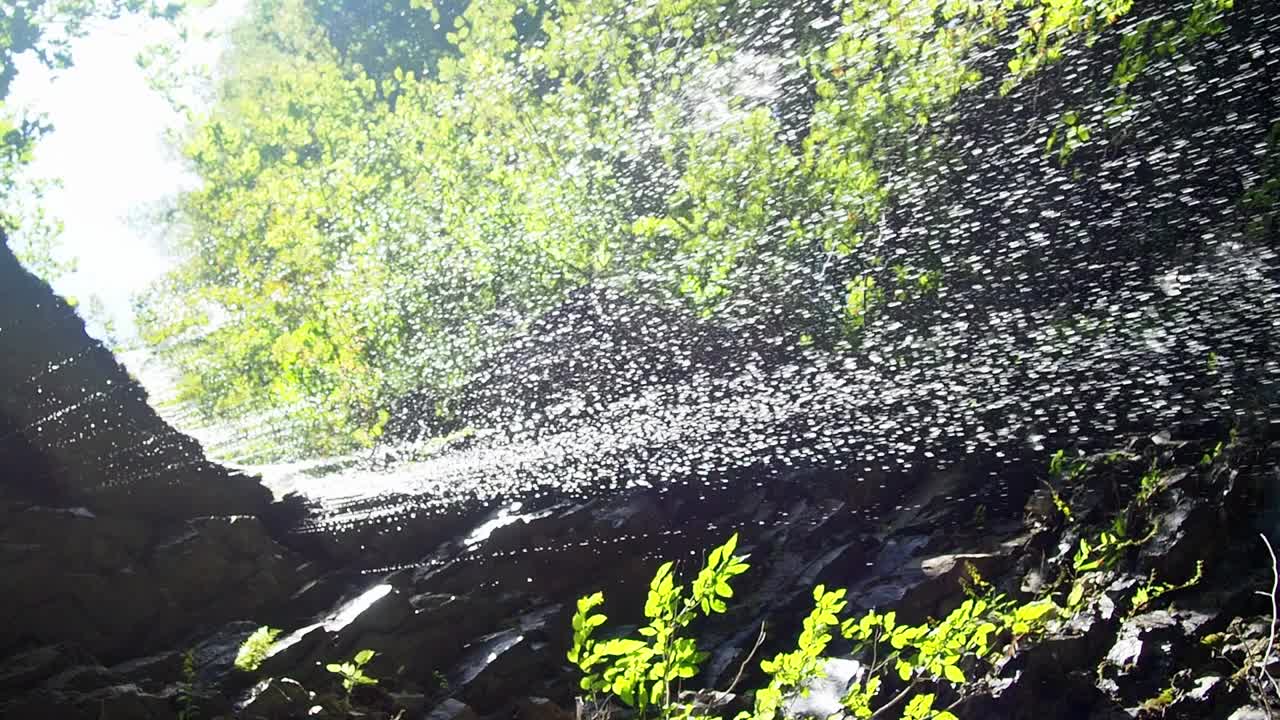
(378, 211)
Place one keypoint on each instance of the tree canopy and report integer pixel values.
(390, 189)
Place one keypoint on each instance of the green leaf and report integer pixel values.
(904, 670)
(730, 545)
(953, 674)
(1076, 595)
(918, 708)
(714, 560)
(363, 657)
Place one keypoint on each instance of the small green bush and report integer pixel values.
(642, 672)
(255, 647)
(646, 673)
(353, 672)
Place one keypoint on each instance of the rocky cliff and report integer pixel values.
(118, 537)
(481, 628)
(135, 568)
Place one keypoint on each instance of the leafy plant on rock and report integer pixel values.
(791, 670)
(643, 672)
(1153, 589)
(187, 707)
(254, 649)
(1107, 549)
(927, 658)
(352, 672)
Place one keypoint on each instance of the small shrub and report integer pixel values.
(642, 672)
(645, 673)
(1108, 548)
(1152, 590)
(1151, 483)
(255, 647)
(353, 672)
(187, 708)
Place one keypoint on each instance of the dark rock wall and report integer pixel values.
(67, 397)
(115, 531)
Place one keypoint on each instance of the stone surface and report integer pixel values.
(540, 708)
(116, 532)
(478, 625)
(31, 668)
(277, 699)
(452, 710)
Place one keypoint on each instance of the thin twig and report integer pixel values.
(894, 701)
(742, 668)
(1271, 639)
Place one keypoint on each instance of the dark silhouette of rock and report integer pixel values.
(118, 537)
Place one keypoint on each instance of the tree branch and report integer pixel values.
(1271, 639)
(742, 668)
(894, 701)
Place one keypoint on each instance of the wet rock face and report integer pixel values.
(115, 531)
(118, 538)
(102, 582)
(82, 428)
(480, 629)
(66, 681)
(277, 699)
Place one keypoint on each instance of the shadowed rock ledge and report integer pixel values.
(116, 533)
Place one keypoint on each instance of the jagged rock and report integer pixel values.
(1149, 648)
(1138, 636)
(540, 708)
(214, 657)
(499, 666)
(714, 703)
(412, 703)
(922, 587)
(276, 699)
(1185, 534)
(119, 701)
(1074, 644)
(83, 678)
(1041, 690)
(31, 668)
(231, 561)
(125, 461)
(414, 637)
(318, 595)
(384, 614)
(297, 652)
(101, 536)
(159, 669)
(1206, 696)
(74, 576)
(90, 577)
(452, 710)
